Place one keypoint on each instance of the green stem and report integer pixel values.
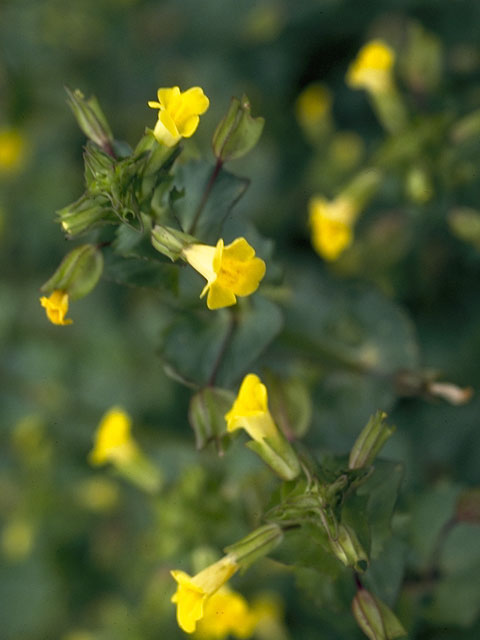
(206, 195)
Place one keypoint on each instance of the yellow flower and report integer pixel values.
(226, 612)
(332, 226)
(56, 307)
(372, 68)
(313, 104)
(12, 150)
(193, 593)
(113, 441)
(230, 271)
(179, 112)
(250, 410)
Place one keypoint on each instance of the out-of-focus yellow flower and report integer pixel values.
(56, 307)
(113, 440)
(313, 104)
(17, 539)
(226, 612)
(331, 223)
(179, 113)
(192, 593)
(250, 410)
(12, 150)
(267, 613)
(230, 271)
(372, 68)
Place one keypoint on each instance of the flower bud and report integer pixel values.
(374, 618)
(238, 132)
(78, 272)
(170, 242)
(91, 119)
(206, 415)
(81, 216)
(370, 441)
(348, 549)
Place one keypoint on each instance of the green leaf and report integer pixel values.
(193, 180)
(192, 345)
(381, 489)
(141, 272)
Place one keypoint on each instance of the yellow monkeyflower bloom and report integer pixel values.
(332, 225)
(12, 150)
(193, 593)
(113, 441)
(56, 307)
(250, 410)
(226, 612)
(313, 104)
(230, 271)
(372, 68)
(179, 113)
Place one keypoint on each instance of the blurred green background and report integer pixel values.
(84, 556)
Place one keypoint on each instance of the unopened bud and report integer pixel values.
(78, 272)
(238, 132)
(90, 118)
(348, 549)
(81, 216)
(370, 441)
(171, 242)
(375, 619)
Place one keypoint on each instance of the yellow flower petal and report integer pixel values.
(56, 307)
(193, 592)
(12, 150)
(179, 113)
(230, 271)
(250, 410)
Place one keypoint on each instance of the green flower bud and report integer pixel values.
(81, 216)
(348, 549)
(206, 415)
(238, 132)
(374, 618)
(91, 119)
(370, 441)
(170, 242)
(78, 272)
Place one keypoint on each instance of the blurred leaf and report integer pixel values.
(193, 180)
(192, 345)
(138, 272)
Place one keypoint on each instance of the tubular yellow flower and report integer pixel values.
(179, 112)
(230, 271)
(193, 593)
(113, 441)
(56, 307)
(332, 226)
(226, 612)
(250, 410)
(372, 68)
(12, 150)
